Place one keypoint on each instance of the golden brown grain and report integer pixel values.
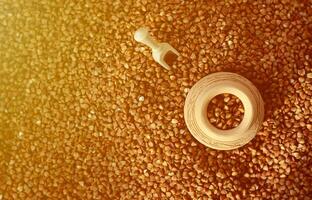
(86, 113)
(225, 111)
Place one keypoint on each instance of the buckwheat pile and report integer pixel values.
(225, 111)
(86, 113)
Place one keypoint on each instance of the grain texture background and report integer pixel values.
(85, 113)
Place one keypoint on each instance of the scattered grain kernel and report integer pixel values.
(86, 113)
